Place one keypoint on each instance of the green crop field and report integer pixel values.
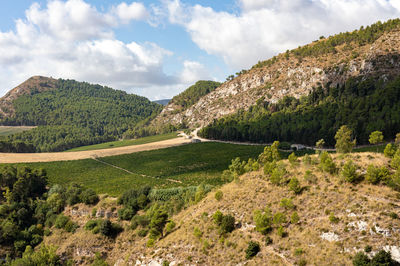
(187, 165)
(9, 130)
(122, 143)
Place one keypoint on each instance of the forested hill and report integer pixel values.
(364, 105)
(75, 113)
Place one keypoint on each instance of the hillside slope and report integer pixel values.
(335, 221)
(370, 51)
(71, 113)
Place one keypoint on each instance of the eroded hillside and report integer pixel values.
(295, 73)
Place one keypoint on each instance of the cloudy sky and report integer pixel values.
(156, 48)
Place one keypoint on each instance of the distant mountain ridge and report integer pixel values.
(163, 101)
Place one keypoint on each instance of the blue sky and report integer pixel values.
(157, 48)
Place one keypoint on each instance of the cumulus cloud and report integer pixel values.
(263, 28)
(72, 39)
(134, 11)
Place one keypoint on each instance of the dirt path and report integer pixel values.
(79, 155)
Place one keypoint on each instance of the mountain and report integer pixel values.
(163, 101)
(71, 113)
(329, 62)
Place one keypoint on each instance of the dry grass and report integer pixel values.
(349, 203)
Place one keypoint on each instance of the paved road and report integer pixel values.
(79, 155)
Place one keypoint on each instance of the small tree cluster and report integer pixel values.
(326, 163)
(226, 223)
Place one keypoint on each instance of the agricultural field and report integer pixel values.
(9, 130)
(123, 143)
(185, 165)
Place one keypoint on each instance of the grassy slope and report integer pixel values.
(122, 143)
(350, 203)
(190, 164)
(5, 130)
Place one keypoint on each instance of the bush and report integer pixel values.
(380, 258)
(169, 227)
(349, 173)
(227, 224)
(137, 220)
(218, 217)
(390, 150)
(263, 221)
(281, 232)
(269, 167)
(142, 232)
(106, 227)
(395, 163)
(88, 196)
(326, 163)
(333, 218)
(197, 232)
(252, 249)
(372, 175)
(294, 219)
(294, 185)
(279, 218)
(310, 177)
(218, 195)
(287, 204)
(61, 221)
(70, 226)
(92, 224)
(292, 158)
(278, 174)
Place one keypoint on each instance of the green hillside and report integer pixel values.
(192, 94)
(364, 105)
(76, 114)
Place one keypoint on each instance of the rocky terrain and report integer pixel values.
(290, 75)
(335, 220)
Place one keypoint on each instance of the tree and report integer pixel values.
(344, 142)
(376, 137)
(320, 144)
(349, 172)
(252, 249)
(390, 150)
(263, 221)
(294, 185)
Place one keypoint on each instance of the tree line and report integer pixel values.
(364, 105)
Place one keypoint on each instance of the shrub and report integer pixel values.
(292, 158)
(390, 150)
(326, 163)
(137, 220)
(349, 173)
(278, 174)
(252, 249)
(88, 196)
(269, 167)
(372, 175)
(268, 240)
(279, 218)
(263, 221)
(368, 248)
(197, 232)
(333, 218)
(142, 232)
(294, 219)
(61, 221)
(105, 227)
(126, 213)
(170, 226)
(227, 224)
(218, 217)
(70, 226)
(281, 232)
(91, 224)
(310, 177)
(287, 204)
(395, 163)
(218, 195)
(294, 185)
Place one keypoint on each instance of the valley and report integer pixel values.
(218, 175)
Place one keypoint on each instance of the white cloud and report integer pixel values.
(72, 39)
(193, 71)
(263, 28)
(134, 11)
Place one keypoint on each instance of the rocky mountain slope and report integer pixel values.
(335, 220)
(295, 73)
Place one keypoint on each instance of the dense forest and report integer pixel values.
(192, 94)
(75, 114)
(364, 105)
(363, 36)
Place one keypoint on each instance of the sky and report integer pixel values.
(157, 48)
